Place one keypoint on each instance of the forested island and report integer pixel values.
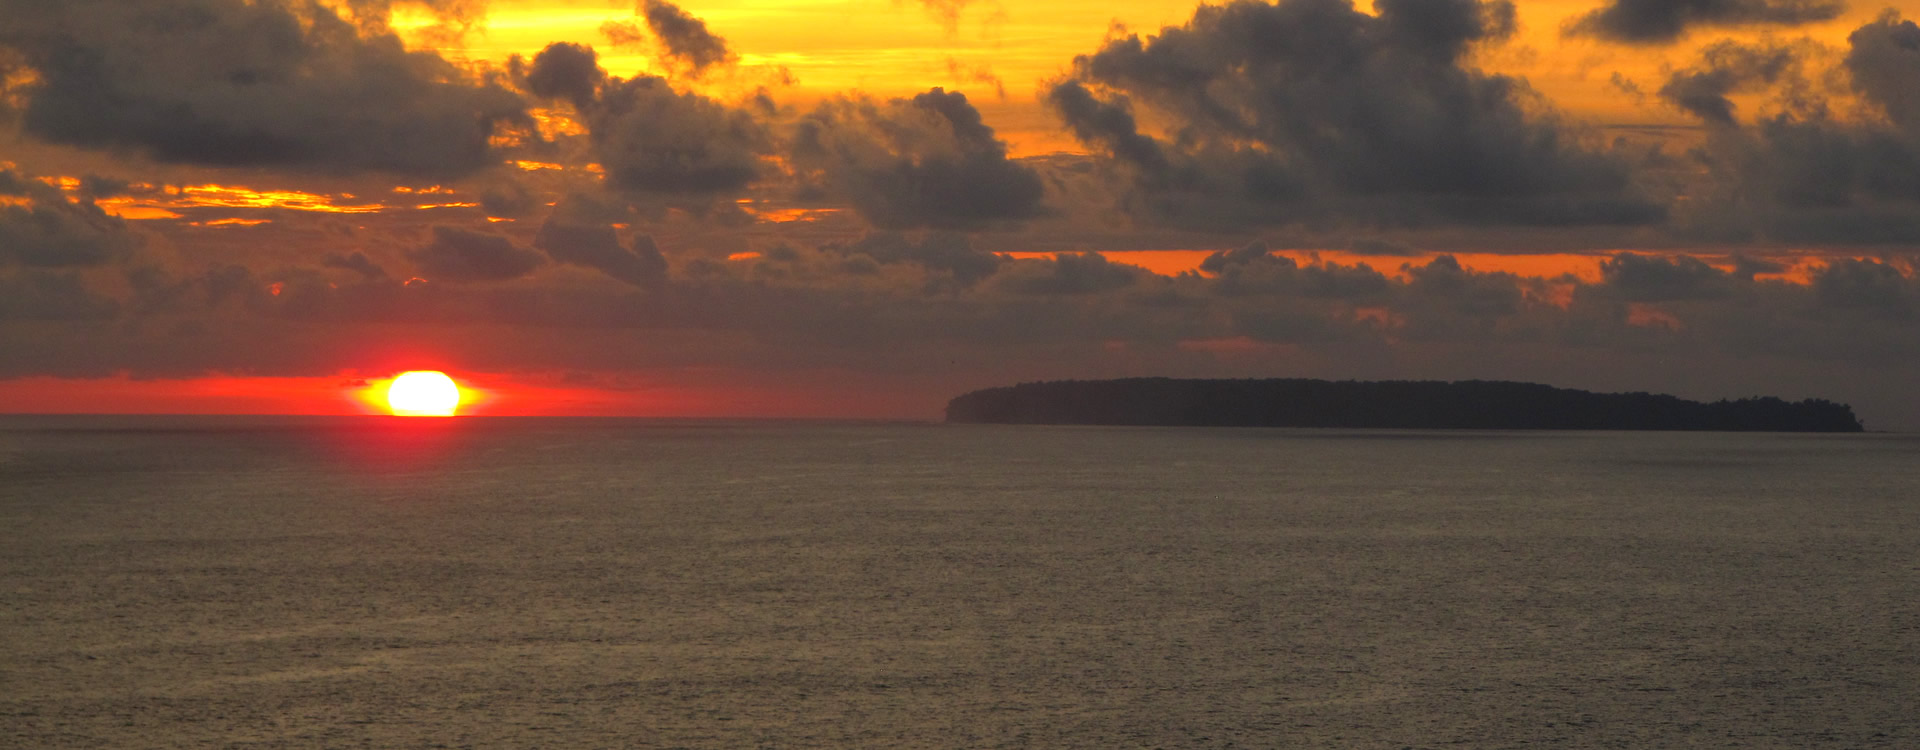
(1473, 404)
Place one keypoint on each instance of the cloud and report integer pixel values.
(233, 83)
(1310, 110)
(1801, 174)
(599, 248)
(650, 138)
(803, 307)
(41, 228)
(1884, 67)
(1378, 246)
(568, 71)
(1647, 278)
(1254, 270)
(925, 161)
(508, 199)
(460, 255)
(1070, 274)
(1870, 286)
(1462, 291)
(1665, 21)
(685, 37)
(43, 296)
(357, 263)
(951, 252)
(1729, 67)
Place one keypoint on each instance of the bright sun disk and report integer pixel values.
(423, 393)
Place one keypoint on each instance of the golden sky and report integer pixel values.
(896, 48)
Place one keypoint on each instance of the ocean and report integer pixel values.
(173, 582)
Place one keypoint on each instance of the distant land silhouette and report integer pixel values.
(1472, 404)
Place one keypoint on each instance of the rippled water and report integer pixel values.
(606, 583)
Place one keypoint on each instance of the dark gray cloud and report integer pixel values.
(234, 83)
(1310, 110)
(1869, 286)
(357, 263)
(1647, 278)
(1663, 21)
(1728, 67)
(1747, 266)
(1884, 67)
(460, 255)
(650, 138)
(40, 228)
(566, 71)
(1254, 270)
(1378, 246)
(1465, 292)
(44, 296)
(925, 161)
(1070, 274)
(598, 247)
(1250, 254)
(684, 37)
(653, 139)
(508, 199)
(951, 252)
(1802, 174)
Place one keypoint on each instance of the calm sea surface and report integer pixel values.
(238, 582)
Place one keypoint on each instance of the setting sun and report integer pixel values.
(423, 393)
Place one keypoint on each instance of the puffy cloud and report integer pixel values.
(566, 71)
(1729, 67)
(1647, 278)
(1801, 174)
(925, 161)
(598, 247)
(1884, 66)
(1070, 274)
(508, 199)
(951, 252)
(1311, 110)
(42, 228)
(1870, 286)
(685, 37)
(234, 83)
(1478, 295)
(651, 138)
(460, 255)
(1663, 21)
(357, 263)
(1256, 270)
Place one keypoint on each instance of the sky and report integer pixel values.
(861, 208)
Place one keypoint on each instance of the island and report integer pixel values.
(1472, 404)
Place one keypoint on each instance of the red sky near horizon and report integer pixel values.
(813, 208)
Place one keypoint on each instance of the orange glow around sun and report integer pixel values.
(423, 393)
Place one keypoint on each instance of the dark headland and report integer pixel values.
(1472, 404)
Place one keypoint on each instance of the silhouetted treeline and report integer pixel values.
(1473, 404)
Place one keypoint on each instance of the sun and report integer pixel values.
(423, 393)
